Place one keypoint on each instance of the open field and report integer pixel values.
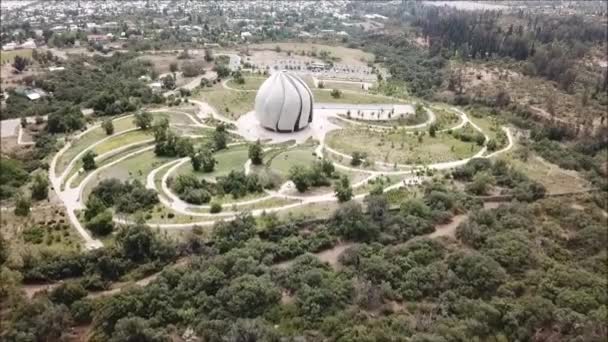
(445, 118)
(284, 161)
(162, 61)
(82, 175)
(399, 147)
(227, 102)
(233, 158)
(343, 85)
(120, 124)
(346, 55)
(135, 168)
(9, 56)
(173, 117)
(122, 140)
(554, 178)
(45, 229)
(251, 83)
(324, 96)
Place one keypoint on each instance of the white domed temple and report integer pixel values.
(284, 103)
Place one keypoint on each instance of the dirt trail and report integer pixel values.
(32, 289)
(329, 256)
(117, 287)
(448, 229)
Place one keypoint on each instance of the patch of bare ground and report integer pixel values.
(79, 333)
(422, 42)
(329, 256)
(9, 145)
(491, 205)
(448, 229)
(577, 207)
(31, 290)
(287, 298)
(12, 79)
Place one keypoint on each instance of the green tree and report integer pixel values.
(173, 67)
(300, 176)
(88, 160)
(143, 120)
(12, 176)
(249, 296)
(350, 222)
(67, 293)
(136, 242)
(94, 207)
(168, 82)
(256, 153)
(357, 158)
(101, 224)
(235, 233)
(20, 63)
(108, 127)
(22, 205)
(433, 129)
(343, 190)
(220, 137)
(40, 187)
(336, 93)
(203, 159)
(137, 329)
(482, 181)
(208, 55)
(222, 71)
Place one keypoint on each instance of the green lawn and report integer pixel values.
(399, 147)
(445, 118)
(120, 124)
(122, 140)
(229, 103)
(82, 175)
(297, 156)
(9, 56)
(133, 168)
(342, 86)
(251, 83)
(344, 54)
(488, 125)
(233, 158)
(174, 117)
(324, 96)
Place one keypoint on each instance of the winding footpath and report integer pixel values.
(72, 197)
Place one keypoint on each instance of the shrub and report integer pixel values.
(215, 208)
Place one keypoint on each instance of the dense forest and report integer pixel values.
(518, 272)
(550, 45)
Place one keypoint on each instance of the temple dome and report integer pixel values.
(284, 103)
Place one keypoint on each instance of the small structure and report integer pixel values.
(32, 94)
(156, 87)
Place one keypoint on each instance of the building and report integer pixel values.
(284, 103)
(29, 44)
(9, 46)
(98, 38)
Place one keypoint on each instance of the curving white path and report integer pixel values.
(247, 128)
